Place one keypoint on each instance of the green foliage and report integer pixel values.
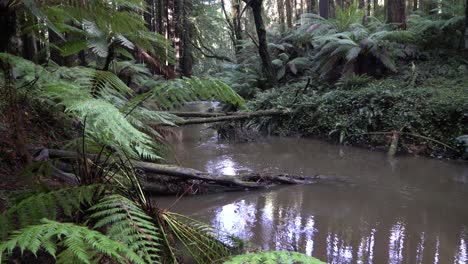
(199, 239)
(125, 221)
(273, 257)
(437, 32)
(100, 101)
(355, 48)
(427, 105)
(52, 205)
(81, 245)
(103, 27)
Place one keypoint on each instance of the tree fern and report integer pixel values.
(125, 221)
(199, 239)
(273, 257)
(80, 244)
(62, 202)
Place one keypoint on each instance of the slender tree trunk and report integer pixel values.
(396, 12)
(323, 6)
(298, 6)
(331, 8)
(186, 29)
(466, 25)
(376, 6)
(159, 17)
(236, 21)
(311, 6)
(415, 5)
(267, 66)
(281, 17)
(150, 15)
(289, 12)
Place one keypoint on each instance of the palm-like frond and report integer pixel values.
(125, 221)
(81, 244)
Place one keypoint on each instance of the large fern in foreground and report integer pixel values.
(80, 244)
(125, 221)
(113, 115)
(64, 202)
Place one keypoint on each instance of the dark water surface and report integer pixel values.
(403, 210)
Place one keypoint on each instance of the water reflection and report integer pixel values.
(404, 210)
(347, 229)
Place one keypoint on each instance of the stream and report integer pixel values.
(402, 210)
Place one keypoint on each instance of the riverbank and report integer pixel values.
(426, 106)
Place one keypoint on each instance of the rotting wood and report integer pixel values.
(153, 173)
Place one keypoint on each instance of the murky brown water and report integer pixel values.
(403, 210)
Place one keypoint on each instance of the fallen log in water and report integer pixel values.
(157, 175)
(221, 117)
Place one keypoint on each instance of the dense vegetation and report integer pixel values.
(101, 78)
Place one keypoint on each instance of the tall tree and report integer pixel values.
(289, 12)
(415, 5)
(267, 65)
(185, 34)
(9, 29)
(331, 8)
(466, 25)
(311, 6)
(395, 11)
(281, 17)
(323, 7)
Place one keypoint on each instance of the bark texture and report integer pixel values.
(267, 66)
(396, 12)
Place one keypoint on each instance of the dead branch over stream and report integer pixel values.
(212, 117)
(155, 175)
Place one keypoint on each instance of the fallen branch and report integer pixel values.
(153, 173)
(227, 117)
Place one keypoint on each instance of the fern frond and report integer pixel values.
(199, 239)
(125, 221)
(273, 257)
(65, 202)
(170, 94)
(80, 243)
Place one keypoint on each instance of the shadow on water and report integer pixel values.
(404, 210)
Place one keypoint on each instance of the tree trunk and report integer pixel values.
(150, 15)
(311, 6)
(415, 5)
(466, 25)
(396, 12)
(267, 66)
(323, 7)
(289, 12)
(376, 6)
(186, 29)
(236, 22)
(298, 6)
(331, 8)
(10, 38)
(281, 16)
